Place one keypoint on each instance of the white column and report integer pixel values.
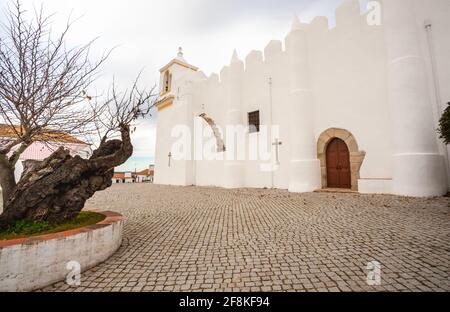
(418, 168)
(234, 174)
(304, 166)
(189, 163)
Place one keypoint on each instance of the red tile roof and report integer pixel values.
(146, 172)
(7, 131)
(119, 176)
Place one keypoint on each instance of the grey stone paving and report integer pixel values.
(209, 239)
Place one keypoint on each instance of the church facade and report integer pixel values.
(353, 107)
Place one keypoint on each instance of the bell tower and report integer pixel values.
(173, 164)
(170, 79)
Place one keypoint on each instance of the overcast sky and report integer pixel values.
(147, 34)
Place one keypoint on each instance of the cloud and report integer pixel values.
(213, 15)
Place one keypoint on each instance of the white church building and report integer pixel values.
(355, 107)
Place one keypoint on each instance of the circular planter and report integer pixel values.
(31, 263)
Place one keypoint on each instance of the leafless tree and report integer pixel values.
(44, 94)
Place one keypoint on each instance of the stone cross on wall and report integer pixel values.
(277, 145)
(170, 157)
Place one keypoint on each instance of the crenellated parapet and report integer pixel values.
(319, 25)
(273, 50)
(253, 60)
(349, 20)
(348, 15)
(213, 79)
(224, 73)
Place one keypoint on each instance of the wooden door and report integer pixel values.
(338, 165)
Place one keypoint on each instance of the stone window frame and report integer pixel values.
(356, 156)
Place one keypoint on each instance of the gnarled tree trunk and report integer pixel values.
(7, 179)
(57, 188)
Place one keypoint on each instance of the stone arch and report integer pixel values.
(356, 156)
(220, 143)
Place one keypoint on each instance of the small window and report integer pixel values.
(253, 122)
(167, 82)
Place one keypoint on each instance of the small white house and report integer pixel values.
(123, 177)
(145, 176)
(40, 150)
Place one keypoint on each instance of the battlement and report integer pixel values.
(253, 59)
(319, 24)
(213, 79)
(348, 19)
(224, 73)
(348, 14)
(273, 49)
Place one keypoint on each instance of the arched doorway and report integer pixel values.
(356, 156)
(338, 165)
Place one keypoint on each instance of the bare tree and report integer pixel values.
(44, 94)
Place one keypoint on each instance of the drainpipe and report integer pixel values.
(437, 91)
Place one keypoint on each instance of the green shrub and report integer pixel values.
(444, 126)
(28, 227)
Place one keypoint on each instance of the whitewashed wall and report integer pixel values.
(348, 67)
(29, 264)
(438, 13)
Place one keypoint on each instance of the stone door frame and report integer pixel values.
(356, 156)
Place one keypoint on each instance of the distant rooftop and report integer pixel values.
(7, 131)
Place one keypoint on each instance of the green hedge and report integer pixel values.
(27, 228)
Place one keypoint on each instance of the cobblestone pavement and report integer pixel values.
(209, 239)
